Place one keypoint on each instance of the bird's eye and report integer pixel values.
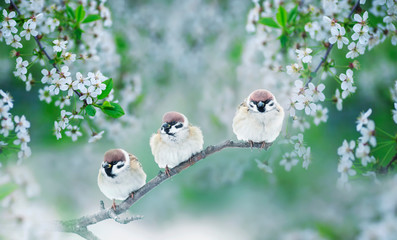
(179, 125)
(271, 104)
(120, 165)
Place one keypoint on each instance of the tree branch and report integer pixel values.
(80, 224)
(331, 45)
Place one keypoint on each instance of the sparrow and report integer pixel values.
(120, 175)
(259, 118)
(176, 141)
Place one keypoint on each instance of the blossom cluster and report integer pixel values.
(300, 151)
(59, 30)
(348, 152)
(14, 131)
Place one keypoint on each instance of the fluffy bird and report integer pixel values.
(259, 118)
(175, 141)
(120, 175)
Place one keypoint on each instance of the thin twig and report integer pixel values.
(385, 170)
(109, 213)
(331, 46)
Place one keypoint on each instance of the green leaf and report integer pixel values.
(80, 13)
(115, 111)
(109, 86)
(106, 104)
(90, 110)
(281, 16)
(268, 21)
(293, 14)
(7, 189)
(283, 40)
(78, 32)
(70, 12)
(91, 18)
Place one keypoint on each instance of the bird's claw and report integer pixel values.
(114, 206)
(251, 144)
(167, 171)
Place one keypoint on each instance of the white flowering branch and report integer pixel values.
(79, 225)
(42, 48)
(356, 5)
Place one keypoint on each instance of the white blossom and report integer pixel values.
(88, 94)
(48, 76)
(304, 55)
(68, 57)
(73, 132)
(64, 122)
(299, 146)
(338, 37)
(22, 139)
(312, 28)
(347, 83)
(361, 22)
(45, 94)
(80, 82)
(289, 160)
(7, 98)
(57, 130)
(362, 120)
(62, 102)
(345, 169)
(264, 166)
(56, 86)
(355, 50)
(59, 45)
(67, 85)
(29, 29)
(7, 125)
(21, 124)
(305, 102)
(14, 41)
(332, 23)
(95, 137)
(320, 115)
(362, 152)
(4, 110)
(346, 150)
(316, 92)
(293, 69)
(368, 133)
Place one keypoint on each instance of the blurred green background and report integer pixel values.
(188, 55)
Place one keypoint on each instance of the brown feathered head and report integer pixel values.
(114, 160)
(173, 122)
(261, 100)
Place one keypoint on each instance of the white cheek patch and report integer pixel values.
(116, 170)
(173, 129)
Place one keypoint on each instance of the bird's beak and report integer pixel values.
(106, 165)
(260, 106)
(166, 127)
